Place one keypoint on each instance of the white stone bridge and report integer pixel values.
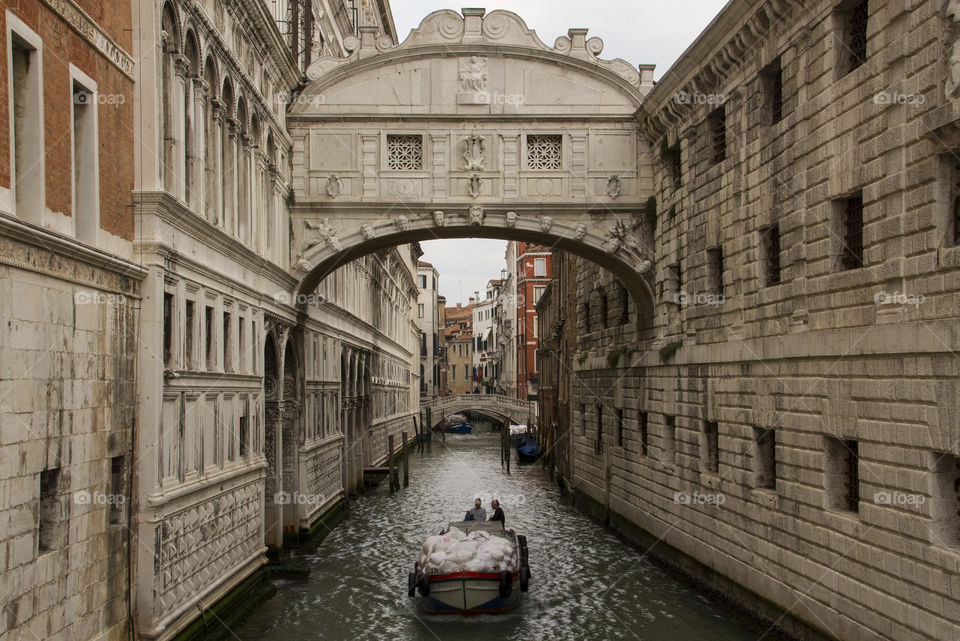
(472, 127)
(511, 410)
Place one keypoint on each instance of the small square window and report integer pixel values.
(545, 152)
(404, 152)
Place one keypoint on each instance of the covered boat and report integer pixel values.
(473, 567)
(517, 432)
(528, 450)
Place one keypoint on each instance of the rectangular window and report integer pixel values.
(643, 428)
(674, 164)
(717, 134)
(188, 330)
(669, 439)
(770, 246)
(715, 267)
(851, 19)
(86, 208)
(466, 373)
(772, 77)
(842, 482)
(624, 305)
(420, 310)
(950, 195)
(540, 267)
(208, 342)
(945, 510)
(26, 86)
(711, 446)
(167, 329)
(851, 227)
(253, 347)
(536, 326)
(405, 153)
(244, 428)
(583, 419)
(241, 344)
(675, 282)
(227, 340)
(598, 445)
(544, 152)
(422, 281)
(765, 459)
(537, 293)
(423, 343)
(619, 427)
(117, 497)
(51, 524)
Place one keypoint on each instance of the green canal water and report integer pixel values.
(586, 584)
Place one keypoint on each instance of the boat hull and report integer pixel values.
(470, 593)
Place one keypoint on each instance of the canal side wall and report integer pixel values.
(786, 418)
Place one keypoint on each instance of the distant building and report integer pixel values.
(485, 360)
(506, 324)
(534, 269)
(459, 342)
(443, 383)
(428, 321)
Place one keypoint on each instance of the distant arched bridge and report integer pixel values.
(512, 410)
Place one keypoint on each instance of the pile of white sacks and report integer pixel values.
(478, 551)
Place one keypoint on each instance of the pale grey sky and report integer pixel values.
(639, 31)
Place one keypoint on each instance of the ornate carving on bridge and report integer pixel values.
(624, 238)
(324, 233)
(476, 216)
(546, 222)
(614, 186)
(580, 232)
(438, 218)
(334, 186)
(475, 187)
(473, 79)
(368, 232)
(511, 219)
(474, 153)
(403, 223)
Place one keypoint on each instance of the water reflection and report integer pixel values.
(586, 584)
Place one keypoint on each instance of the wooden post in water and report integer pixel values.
(406, 462)
(390, 461)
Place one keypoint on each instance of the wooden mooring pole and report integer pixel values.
(406, 462)
(390, 462)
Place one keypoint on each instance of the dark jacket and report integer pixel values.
(498, 515)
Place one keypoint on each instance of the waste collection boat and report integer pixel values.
(472, 567)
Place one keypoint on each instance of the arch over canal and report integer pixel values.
(505, 408)
(473, 127)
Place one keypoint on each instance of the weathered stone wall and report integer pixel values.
(853, 369)
(68, 325)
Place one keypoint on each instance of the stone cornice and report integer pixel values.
(175, 214)
(63, 257)
(706, 63)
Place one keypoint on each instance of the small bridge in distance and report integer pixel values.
(505, 408)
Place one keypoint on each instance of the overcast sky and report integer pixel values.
(639, 31)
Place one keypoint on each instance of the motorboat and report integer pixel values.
(472, 567)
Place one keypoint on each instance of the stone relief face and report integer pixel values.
(438, 218)
(476, 215)
(511, 219)
(403, 223)
(580, 232)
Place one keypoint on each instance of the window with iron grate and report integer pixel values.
(643, 429)
(717, 132)
(544, 152)
(770, 242)
(405, 152)
(715, 265)
(853, 17)
(711, 446)
(773, 87)
(851, 227)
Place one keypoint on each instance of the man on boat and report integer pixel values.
(497, 512)
(477, 513)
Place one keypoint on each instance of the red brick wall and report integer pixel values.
(62, 46)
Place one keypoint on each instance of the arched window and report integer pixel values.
(210, 143)
(228, 175)
(169, 41)
(242, 171)
(189, 120)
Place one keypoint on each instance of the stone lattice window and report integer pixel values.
(544, 152)
(405, 152)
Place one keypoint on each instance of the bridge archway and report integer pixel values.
(507, 409)
(473, 127)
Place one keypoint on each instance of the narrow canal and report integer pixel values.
(586, 584)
